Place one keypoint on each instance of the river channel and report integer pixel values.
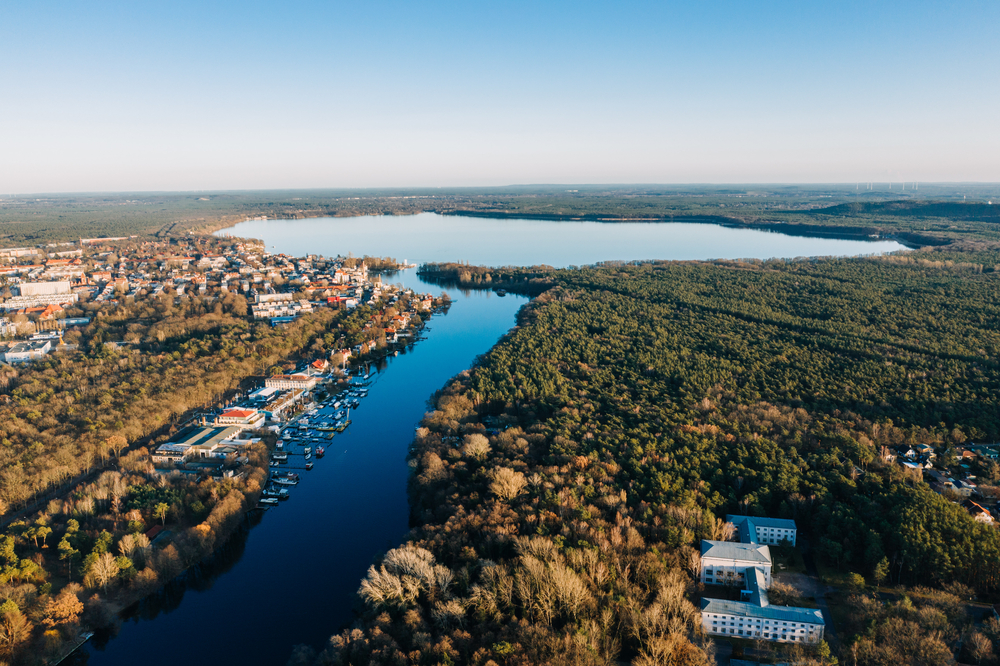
(290, 578)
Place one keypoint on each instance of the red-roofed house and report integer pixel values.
(244, 416)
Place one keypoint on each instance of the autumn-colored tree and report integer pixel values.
(117, 444)
(15, 628)
(65, 608)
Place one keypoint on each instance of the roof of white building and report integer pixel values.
(780, 613)
(728, 550)
(762, 521)
(747, 525)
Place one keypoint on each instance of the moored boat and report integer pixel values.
(309, 465)
(320, 452)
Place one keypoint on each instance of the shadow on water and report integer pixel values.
(168, 598)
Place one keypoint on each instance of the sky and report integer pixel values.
(140, 96)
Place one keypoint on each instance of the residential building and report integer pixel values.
(43, 288)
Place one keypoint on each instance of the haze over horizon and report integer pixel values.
(227, 96)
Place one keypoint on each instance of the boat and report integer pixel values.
(309, 465)
(308, 456)
(268, 501)
(307, 450)
(286, 482)
(501, 292)
(279, 455)
(287, 475)
(320, 452)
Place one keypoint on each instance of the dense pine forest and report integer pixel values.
(561, 486)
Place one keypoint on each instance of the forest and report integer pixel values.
(561, 487)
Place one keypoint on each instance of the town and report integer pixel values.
(59, 288)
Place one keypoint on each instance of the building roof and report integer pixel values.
(238, 413)
(728, 550)
(757, 586)
(204, 436)
(780, 613)
(747, 525)
(762, 521)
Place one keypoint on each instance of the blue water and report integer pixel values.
(291, 578)
(494, 242)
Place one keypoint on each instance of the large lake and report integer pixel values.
(501, 242)
(291, 578)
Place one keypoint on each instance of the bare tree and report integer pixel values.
(104, 570)
(980, 646)
(507, 484)
(476, 446)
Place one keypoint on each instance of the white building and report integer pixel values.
(198, 443)
(753, 529)
(18, 302)
(297, 381)
(24, 351)
(748, 564)
(243, 416)
(756, 618)
(43, 288)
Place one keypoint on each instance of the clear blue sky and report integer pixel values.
(243, 95)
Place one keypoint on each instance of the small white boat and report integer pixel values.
(307, 450)
(279, 455)
(285, 482)
(268, 501)
(308, 456)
